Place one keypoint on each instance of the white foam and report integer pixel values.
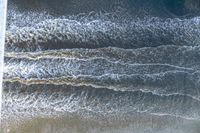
(3, 9)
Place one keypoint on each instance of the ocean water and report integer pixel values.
(91, 66)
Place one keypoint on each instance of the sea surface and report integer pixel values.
(102, 66)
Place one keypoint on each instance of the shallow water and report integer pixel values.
(79, 125)
(102, 66)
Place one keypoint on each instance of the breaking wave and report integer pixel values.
(97, 57)
(51, 99)
(64, 33)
